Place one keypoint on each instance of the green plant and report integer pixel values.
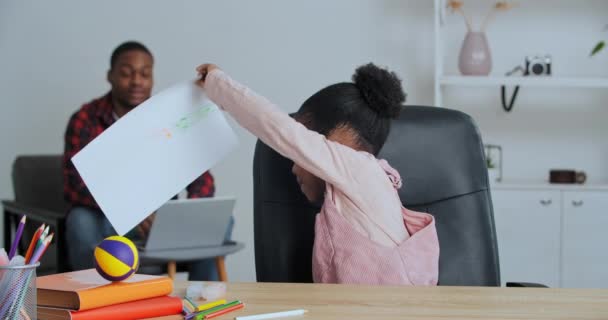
(489, 163)
(599, 46)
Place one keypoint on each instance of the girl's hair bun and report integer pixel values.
(381, 89)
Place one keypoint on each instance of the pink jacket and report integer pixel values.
(362, 234)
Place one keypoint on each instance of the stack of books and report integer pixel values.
(86, 295)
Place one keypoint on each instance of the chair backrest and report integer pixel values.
(440, 156)
(38, 182)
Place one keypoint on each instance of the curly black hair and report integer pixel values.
(365, 105)
(128, 46)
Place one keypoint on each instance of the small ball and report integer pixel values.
(116, 258)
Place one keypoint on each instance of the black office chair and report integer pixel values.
(38, 186)
(440, 157)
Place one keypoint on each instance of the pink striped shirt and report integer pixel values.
(362, 234)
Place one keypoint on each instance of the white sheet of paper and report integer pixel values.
(153, 152)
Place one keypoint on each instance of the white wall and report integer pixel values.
(54, 55)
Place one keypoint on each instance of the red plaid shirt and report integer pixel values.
(86, 124)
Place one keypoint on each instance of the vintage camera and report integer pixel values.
(538, 65)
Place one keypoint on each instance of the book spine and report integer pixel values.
(111, 295)
(149, 308)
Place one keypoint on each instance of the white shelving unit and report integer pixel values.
(552, 234)
(547, 233)
(537, 185)
(471, 81)
(443, 80)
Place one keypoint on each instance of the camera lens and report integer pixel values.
(537, 69)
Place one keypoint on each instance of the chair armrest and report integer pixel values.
(37, 214)
(525, 285)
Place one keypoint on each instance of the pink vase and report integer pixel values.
(475, 58)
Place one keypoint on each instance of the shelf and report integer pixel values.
(540, 185)
(487, 81)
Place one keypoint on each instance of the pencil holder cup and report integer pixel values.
(18, 292)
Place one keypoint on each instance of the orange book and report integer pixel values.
(86, 289)
(153, 307)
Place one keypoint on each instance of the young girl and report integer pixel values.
(363, 234)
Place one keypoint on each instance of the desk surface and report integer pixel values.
(325, 301)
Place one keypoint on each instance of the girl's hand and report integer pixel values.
(203, 70)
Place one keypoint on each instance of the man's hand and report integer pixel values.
(144, 227)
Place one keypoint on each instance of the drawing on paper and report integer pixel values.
(194, 117)
(190, 120)
(167, 133)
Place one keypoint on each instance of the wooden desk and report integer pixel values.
(358, 302)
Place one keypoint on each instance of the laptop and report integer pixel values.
(190, 224)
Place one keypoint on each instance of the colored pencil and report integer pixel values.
(40, 251)
(42, 237)
(33, 243)
(40, 241)
(210, 305)
(200, 315)
(191, 303)
(187, 306)
(25, 315)
(11, 254)
(50, 238)
(224, 311)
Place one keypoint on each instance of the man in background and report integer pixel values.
(131, 80)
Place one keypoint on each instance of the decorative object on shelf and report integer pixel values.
(493, 155)
(534, 66)
(538, 66)
(448, 77)
(567, 176)
(503, 90)
(599, 46)
(475, 58)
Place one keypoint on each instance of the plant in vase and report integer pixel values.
(493, 153)
(490, 164)
(493, 173)
(475, 58)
